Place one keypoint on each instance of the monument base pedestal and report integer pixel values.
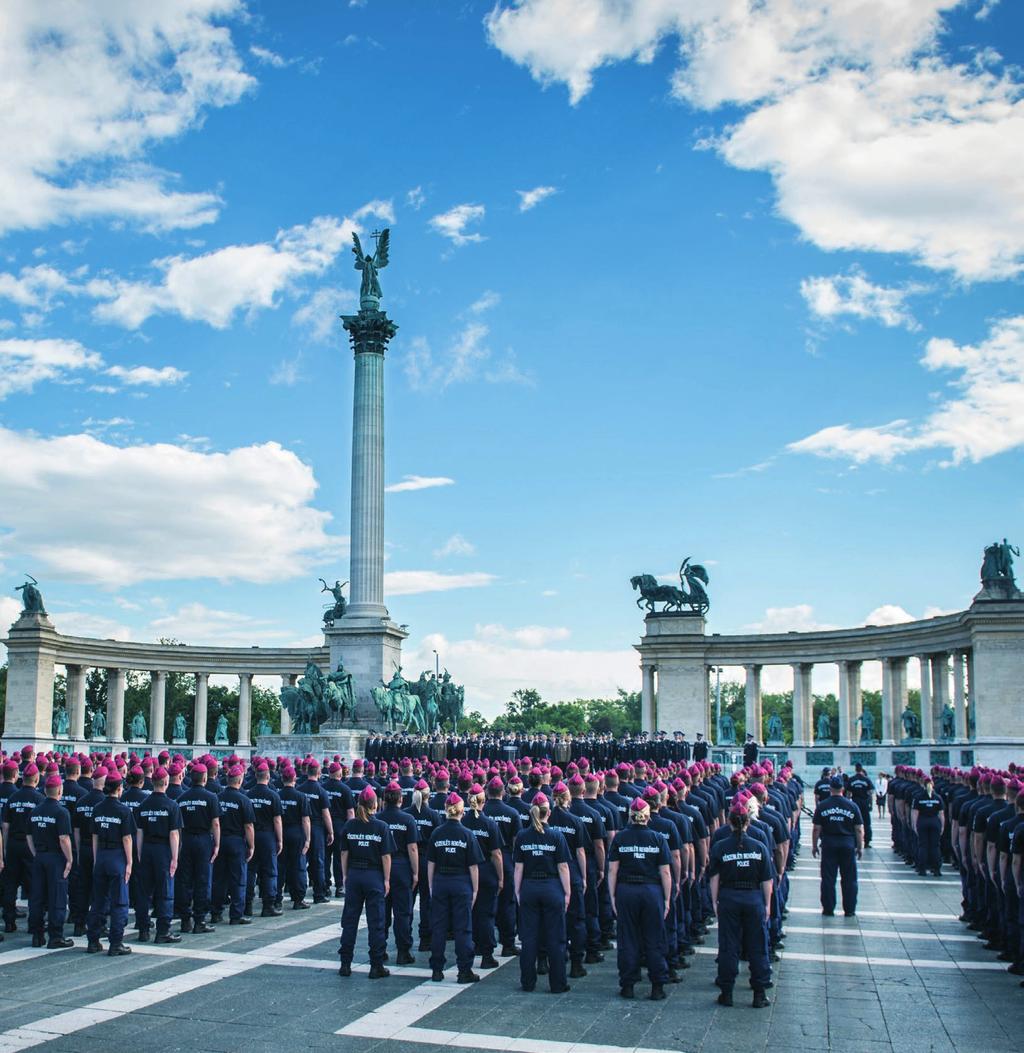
(346, 742)
(372, 650)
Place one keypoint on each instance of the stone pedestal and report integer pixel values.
(673, 647)
(346, 742)
(996, 685)
(31, 650)
(372, 650)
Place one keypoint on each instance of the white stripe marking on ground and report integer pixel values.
(880, 914)
(881, 881)
(883, 934)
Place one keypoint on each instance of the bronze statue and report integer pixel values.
(31, 597)
(180, 730)
(369, 289)
(774, 728)
(337, 611)
(911, 725)
(824, 733)
(138, 727)
(99, 724)
(61, 724)
(691, 592)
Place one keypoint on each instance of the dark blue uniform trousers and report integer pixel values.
(576, 922)
(484, 910)
(542, 927)
(363, 889)
(109, 895)
(229, 876)
(317, 863)
(17, 873)
(156, 887)
(421, 895)
(505, 916)
(742, 930)
(838, 857)
(590, 908)
(928, 853)
(263, 863)
(293, 862)
(451, 909)
(399, 903)
(641, 914)
(80, 886)
(49, 894)
(193, 877)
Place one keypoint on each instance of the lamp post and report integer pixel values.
(717, 670)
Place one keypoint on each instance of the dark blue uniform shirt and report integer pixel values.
(112, 821)
(48, 822)
(294, 806)
(157, 816)
(235, 812)
(199, 807)
(541, 853)
(837, 818)
(640, 853)
(366, 843)
(453, 849)
(741, 864)
(266, 805)
(404, 830)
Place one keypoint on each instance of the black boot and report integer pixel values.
(94, 947)
(760, 1000)
(626, 991)
(217, 917)
(577, 972)
(542, 966)
(38, 939)
(167, 937)
(509, 950)
(593, 958)
(488, 961)
(271, 912)
(344, 969)
(424, 943)
(116, 950)
(405, 958)
(243, 920)
(378, 972)
(186, 925)
(79, 928)
(143, 935)
(467, 977)
(725, 998)
(436, 975)
(59, 944)
(200, 928)
(658, 992)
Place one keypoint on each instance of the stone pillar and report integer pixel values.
(940, 692)
(752, 695)
(244, 710)
(674, 645)
(887, 732)
(972, 716)
(115, 705)
(199, 713)
(31, 653)
(995, 676)
(959, 696)
(287, 680)
(76, 700)
(648, 705)
(157, 697)
(926, 697)
(846, 715)
(898, 675)
(856, 699)
(803, 704)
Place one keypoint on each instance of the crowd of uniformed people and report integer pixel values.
(506, 857)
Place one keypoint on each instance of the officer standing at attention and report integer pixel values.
(18, 866)
(49, 842)
(491, 875)
(509, 822)
(741, 895)
(200, 843)
(269, 843)
(295, 827)
(405, 868)
(837, 825)
(640, 885)
(159, 822)
(572, 828)
(453, 858)
(543, 888)
(366, 850)
(427, 821)
(237, 843)
(343, 805)
(927, 819)
(861, 788)
(81, 828)
(321, 832)
(113, 846)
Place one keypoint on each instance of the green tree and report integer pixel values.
(473, 723)
(266, 704)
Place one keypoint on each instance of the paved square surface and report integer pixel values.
(904, 975)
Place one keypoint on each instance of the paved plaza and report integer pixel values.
(903, 975)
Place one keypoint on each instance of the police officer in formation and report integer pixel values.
(839, 828)
(404, 876)
(159, 824)
(236, 846)
(200, 845)
(113, 851)
(490, 875)
(49, 844)
(268, 843)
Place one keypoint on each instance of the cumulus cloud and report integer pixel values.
(888, 614)
(89, 88)
(89, 511)
(411, 582)
(196, 623)
(468, 357)
(148, 376)
(25, 363)
(852, 295)
(456, 545)
(874, 141)
(526, 636)
(415, 198)
(982, 417)
(418, 482)
(453, 223)
(318, 316)
(532, 198)
(798, 618)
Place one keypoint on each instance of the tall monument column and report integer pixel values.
(365, 638)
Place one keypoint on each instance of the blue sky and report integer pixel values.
(739, 282)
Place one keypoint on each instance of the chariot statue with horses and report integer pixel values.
(691, 592)
(317, 699)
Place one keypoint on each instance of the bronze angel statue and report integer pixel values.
(369, 290)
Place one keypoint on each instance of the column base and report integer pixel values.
(371, 649)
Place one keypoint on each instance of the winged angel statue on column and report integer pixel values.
(369, 290)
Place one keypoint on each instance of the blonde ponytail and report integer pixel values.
(538, 814)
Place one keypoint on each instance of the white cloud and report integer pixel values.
(453, 223)
(36, 287)
(873, 140)
(456, 545)
(467, 358)
(798, 618)
(195, 623)
(526, 636)
(888, 614)
(89, 88)
(412, 582)
(213, 287)
(833, 296)
(493, 669)
(148, 376)
(89, 511)
(268, 57)
(531, 198)
(984, 416)
(86, 623)
(418, 482)
(287, 372)
(487, 299)
(25, 363)
(415, 198)
(319, 314)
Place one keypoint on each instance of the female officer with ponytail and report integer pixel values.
(741, 895)
(640, 885)
(491, 876)
(576, 837)
(404, 871)
(366, 850)
(543, 891)
(453, 859)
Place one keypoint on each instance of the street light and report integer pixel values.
(718, 670)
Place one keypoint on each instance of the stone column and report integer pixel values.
(157, 697)
(972, 713)
(887, 732)
(76, 700)
(287, 680)
(115, 705)
(845, 704)
(752, 696)
(31, 652)
(648, 708)
(199, 713)
(898, 667)
(803, 703)
(959, 697)
(853, 670)
(926, 697)
(940, 692)
(244, 710)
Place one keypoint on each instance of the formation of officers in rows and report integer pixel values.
(566, 860)
(973, 821)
